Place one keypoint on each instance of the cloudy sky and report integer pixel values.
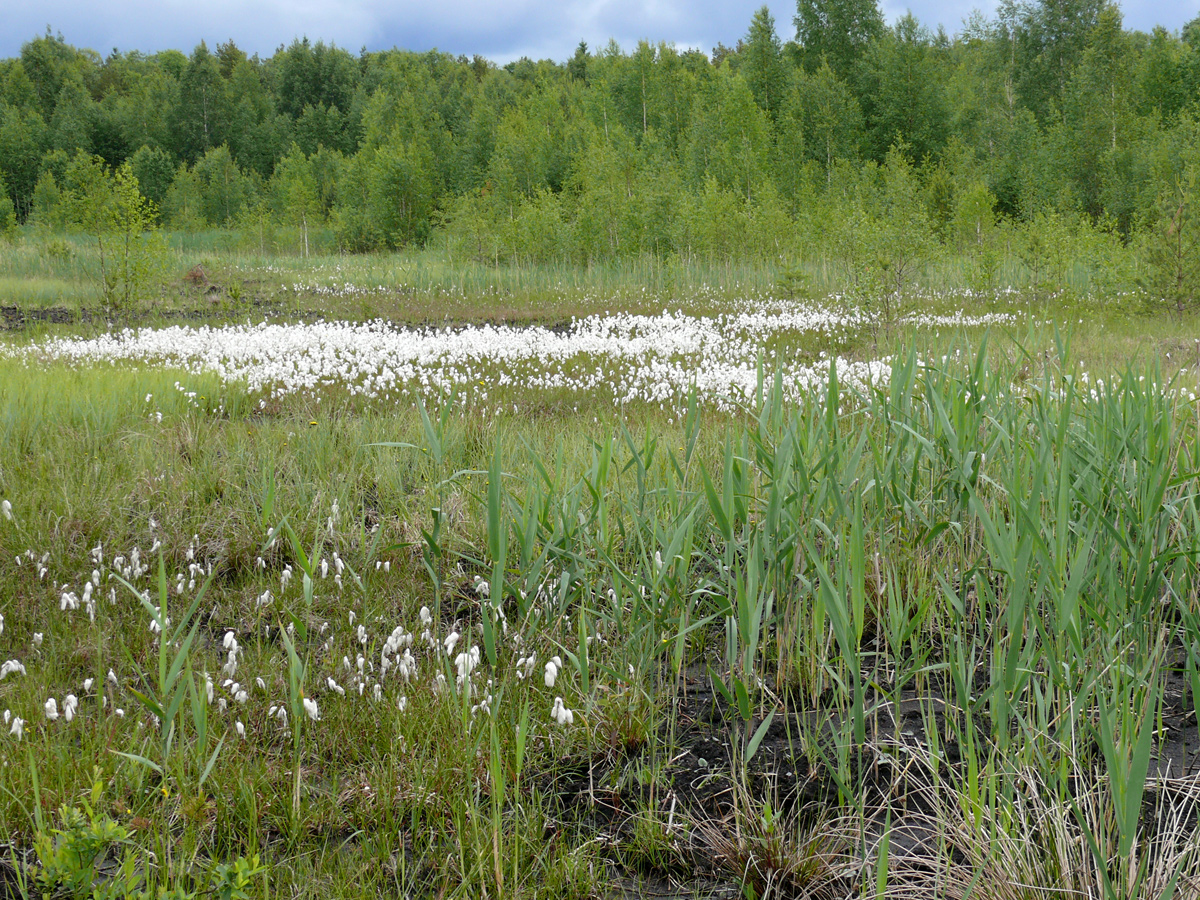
(501, 31)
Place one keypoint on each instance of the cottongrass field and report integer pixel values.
(769, 601)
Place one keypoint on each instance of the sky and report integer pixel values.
(500, 31)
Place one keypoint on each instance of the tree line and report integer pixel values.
(853, 134)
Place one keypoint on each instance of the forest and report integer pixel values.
(877, 145)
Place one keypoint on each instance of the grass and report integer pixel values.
(938, 637)
(427, 286)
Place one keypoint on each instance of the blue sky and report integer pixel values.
(499, 31)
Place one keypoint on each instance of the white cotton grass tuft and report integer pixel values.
(311, 709)
(560, 714)
(11, 667)
(51, 708)
(650, 358)
(551, 670)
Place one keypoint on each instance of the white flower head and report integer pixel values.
(18, 728)
(12, 667)
(51, 708)
(552, 667)
(310, 707)
(560, 714)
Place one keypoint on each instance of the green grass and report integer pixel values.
(427, 286)
(985, 541)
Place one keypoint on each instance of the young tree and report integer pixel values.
(295, 187)
(224, 189)
(905, 233)
(184, 206)
(155, 170)
(1172, 246)
(109, 208)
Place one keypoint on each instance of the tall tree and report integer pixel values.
(838, 31)
(901, 92)
(763, 64)
(22, 143)
(1098, 109)
(198, 121)
(1049, 38)
(8, 213)
(831, 116)
(730, 140)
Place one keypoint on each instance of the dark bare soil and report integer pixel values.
(672, 826)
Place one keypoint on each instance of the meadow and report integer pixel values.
(353, 576)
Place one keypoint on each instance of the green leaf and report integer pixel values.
(759, 734)
(140, 760)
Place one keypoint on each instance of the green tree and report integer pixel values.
(110, 209)
(224, 189)
(577, 65)
(730, 138)
(8, 214)
(155, 170)
(146, 110)
(1162, 76)
(184, 206)
(49, 62)
(712, 223)
(22, 143)
(905, 236)
(902, 93)
(837, 32)
(198, 121)
(257, 134)
(603, 185)
(400, 192)
(1172, 246)
(763, 65)
(1098, 108)
(17, 90)
(295, 188)
(1049, 37)
(829, 116)
(73, 122)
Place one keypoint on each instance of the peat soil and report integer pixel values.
(19, 319)
(689, 824)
